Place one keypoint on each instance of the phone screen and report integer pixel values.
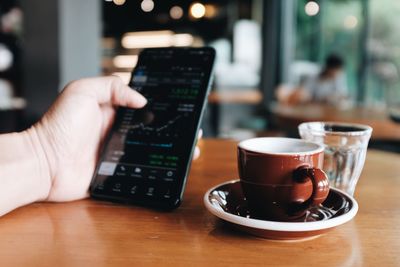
(148, 153)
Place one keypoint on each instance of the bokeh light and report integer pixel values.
(350, 22)
(197, 10)
(119, 2)
(147, 5)
(176, 12)
(6, 58)
(311, 8)
(211, 11)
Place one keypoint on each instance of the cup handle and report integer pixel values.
(319, 181)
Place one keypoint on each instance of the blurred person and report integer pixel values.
(55, 159)
(329, 86)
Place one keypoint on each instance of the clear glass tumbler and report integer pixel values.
(345, 150)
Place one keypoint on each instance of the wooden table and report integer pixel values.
(289, 117)
(91, 233)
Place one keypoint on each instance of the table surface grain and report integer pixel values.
(93, 233)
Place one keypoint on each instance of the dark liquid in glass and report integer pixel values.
(341, 128)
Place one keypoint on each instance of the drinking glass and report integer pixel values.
(345, 150)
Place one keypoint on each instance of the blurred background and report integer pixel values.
(274, 58)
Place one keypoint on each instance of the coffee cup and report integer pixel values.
(281, 177)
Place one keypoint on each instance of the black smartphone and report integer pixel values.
(147, 155)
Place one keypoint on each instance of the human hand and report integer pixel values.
(71, 133)
(73, 129)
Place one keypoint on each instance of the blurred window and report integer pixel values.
(384, 52)
(329, 27)
(363, 33)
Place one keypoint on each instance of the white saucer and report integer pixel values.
(226, 201)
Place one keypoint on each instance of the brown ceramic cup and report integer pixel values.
(281, 177)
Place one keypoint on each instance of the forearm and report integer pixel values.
(24, 174)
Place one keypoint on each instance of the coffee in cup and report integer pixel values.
(281, 177)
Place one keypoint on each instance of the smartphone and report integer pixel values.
(147, 154)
